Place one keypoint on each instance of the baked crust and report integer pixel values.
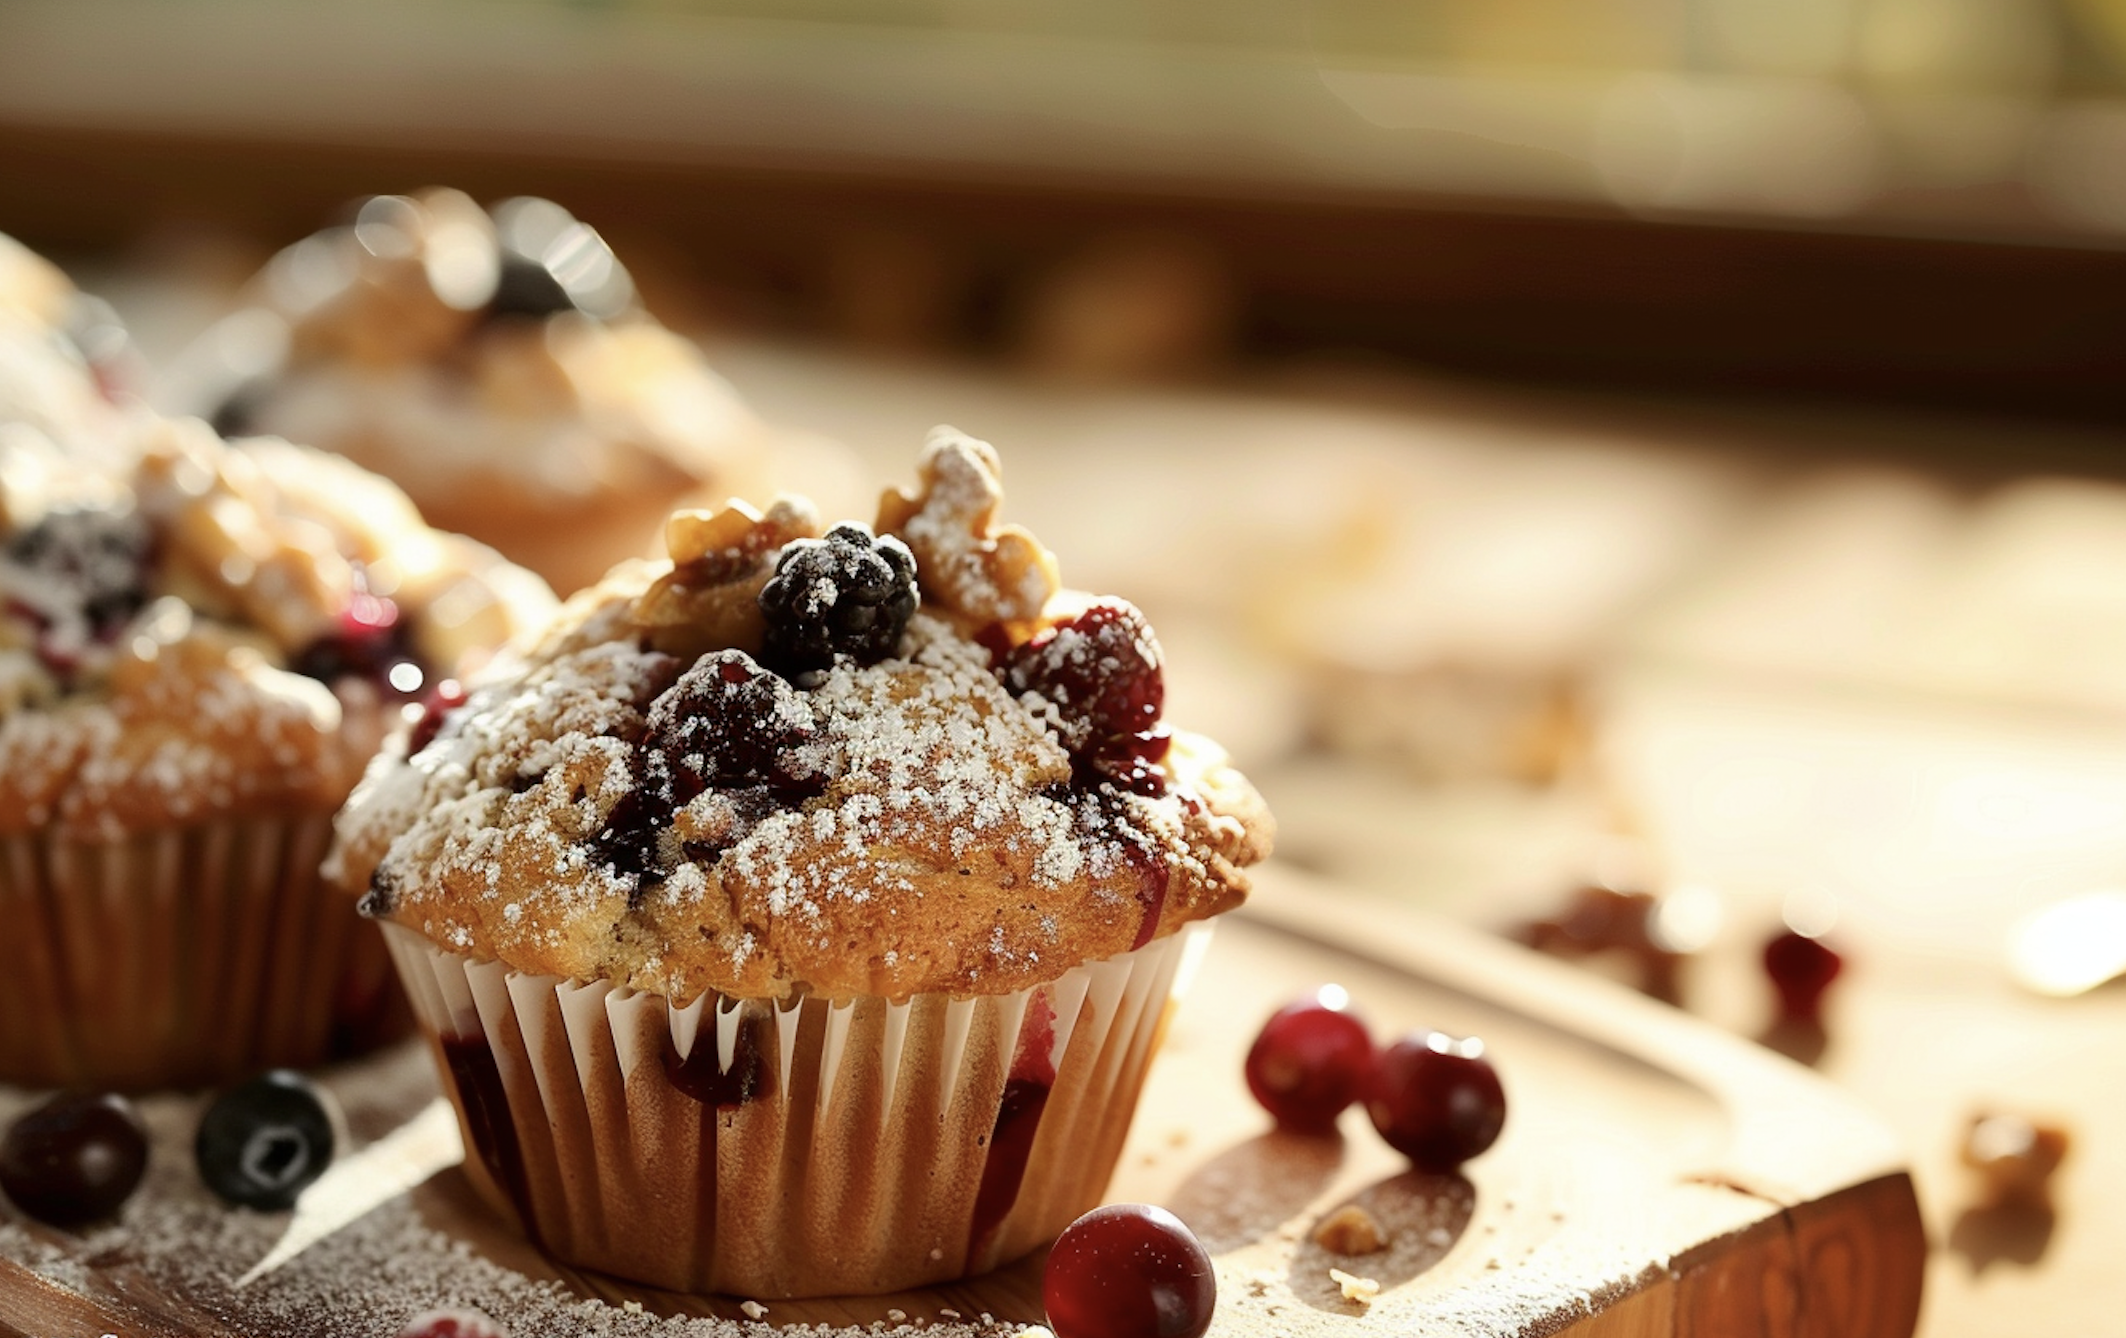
(390, 364)
(187, 709)
(948, 841)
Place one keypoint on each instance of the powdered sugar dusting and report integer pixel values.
(365, 1280)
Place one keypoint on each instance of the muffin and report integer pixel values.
(63, 359)
(499, 368)
(798, 916)
(200, 649)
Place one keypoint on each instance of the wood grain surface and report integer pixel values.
(1656, 1177)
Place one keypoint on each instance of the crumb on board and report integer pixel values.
(1355, 1288)
(753, 1309)
(1351, 1230)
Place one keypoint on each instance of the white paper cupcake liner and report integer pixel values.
(183, 957)
(859, 1162)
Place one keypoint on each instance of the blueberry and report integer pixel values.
(552, 263)
(75, 1159)
(847, 594)
(262, 1144)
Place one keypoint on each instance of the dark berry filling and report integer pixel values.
(847, 594)
(483, 1106)
(1099, 682)
(701, 1074)
(1026, 1088)
(75, 1159)
(262, 1144)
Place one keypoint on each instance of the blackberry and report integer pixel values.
(551, 263)
(847, 594)
(80, 568)
(726, 723)
(1100, 677)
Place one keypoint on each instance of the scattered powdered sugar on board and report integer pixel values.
(174, 1240)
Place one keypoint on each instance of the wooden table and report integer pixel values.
(1656, 1177)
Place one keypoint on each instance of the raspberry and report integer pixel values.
(1098, 675)
(847, 594)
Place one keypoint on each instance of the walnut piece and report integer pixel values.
(709, 600)
(967, 562)
(1350, 1230)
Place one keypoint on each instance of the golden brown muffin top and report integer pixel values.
(453, 348)
(741, 770)
(199, 631)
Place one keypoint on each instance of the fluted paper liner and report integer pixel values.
(863, 1162)
(184, 957)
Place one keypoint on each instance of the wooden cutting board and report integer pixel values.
(1656, 1177)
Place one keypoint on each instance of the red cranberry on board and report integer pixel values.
(1313, 1058)
(1129, 1270)
(1437, 1099)
(1801, 969)
(453, 1324)
(75, 1159)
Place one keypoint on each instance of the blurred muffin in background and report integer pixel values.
(200, 649)
(66, 365)
(499, 367)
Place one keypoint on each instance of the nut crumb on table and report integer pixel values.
(1351, 1230)
(1355, 1288)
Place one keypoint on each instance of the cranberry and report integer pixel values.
(453, 1324)
(1801, 969)
(371, 642)
(1436, 1099)
(1100, 672)
(442, 699)
(75, 1159)
(1312, 1059)
(1129, 1270)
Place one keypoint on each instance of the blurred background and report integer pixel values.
(1664, 445)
